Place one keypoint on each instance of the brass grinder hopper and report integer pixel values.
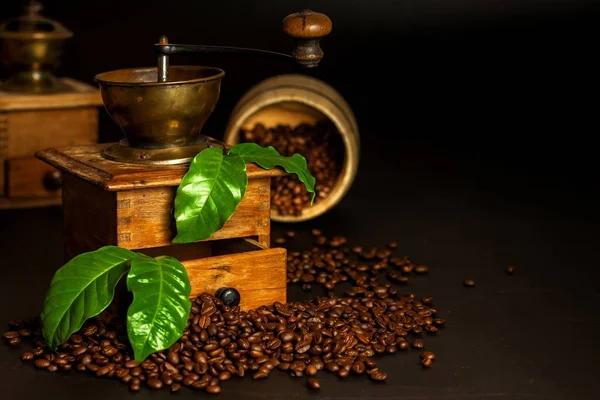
(161, 110)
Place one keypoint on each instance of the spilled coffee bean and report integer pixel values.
(332, 261)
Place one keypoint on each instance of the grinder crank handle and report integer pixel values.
(306, 26)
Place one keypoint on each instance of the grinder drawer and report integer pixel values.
(30, 177)
(258, 273)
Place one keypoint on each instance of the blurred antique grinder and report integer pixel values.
(122, 193)
(37, 109)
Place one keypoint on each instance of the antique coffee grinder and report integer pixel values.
(37, 109)
(122, 193)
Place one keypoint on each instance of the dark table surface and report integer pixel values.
(531, 335)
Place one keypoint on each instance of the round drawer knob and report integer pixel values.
(53, 180)
(229, 296)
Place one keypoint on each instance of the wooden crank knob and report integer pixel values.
(307, 27)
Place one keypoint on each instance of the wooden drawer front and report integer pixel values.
(259, 276)
(30, 177)
(144, 217)
(26, 132)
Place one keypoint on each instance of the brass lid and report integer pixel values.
(32, 26)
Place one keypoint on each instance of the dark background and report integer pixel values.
(478, 122)
(514, 81)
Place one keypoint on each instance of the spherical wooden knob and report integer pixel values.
(307, 27)
(307, 24)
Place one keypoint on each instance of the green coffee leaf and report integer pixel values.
(81, 289)
(208, 194)
(157, 316)
(268, 157)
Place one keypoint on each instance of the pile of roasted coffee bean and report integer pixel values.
(336, 334)
(320, 144)
(331, 261)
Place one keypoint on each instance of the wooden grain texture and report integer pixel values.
(109, 203)
(25, 178)
(87, 163)
(30, 131)
(89, 217)
(2, 177)
(82, 95)
(3, 151)
(144, 216)
(259, 276)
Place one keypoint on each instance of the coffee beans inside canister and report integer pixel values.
(321, 145)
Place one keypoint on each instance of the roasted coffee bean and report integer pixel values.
(155, 383)
(510, 270)
(260, 375)
(175, 387)
(77, 351)
(131, 364)
(90, 330)
(173, 357)
(105, 369)
(24, 333)
(428, 354)
(92, 367)
(27, 356)
(332, 366)
(302, 346)
(426, 362)
(469, 283)
(213, 389)
(377, 375)
(42, 363)
(418, 344)
(313, 383)
(76, 339)
(109, 351)
(421, 269)
(358, 367)
(311, 370)
(286, 336)
(224, 376)
(11, 335)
